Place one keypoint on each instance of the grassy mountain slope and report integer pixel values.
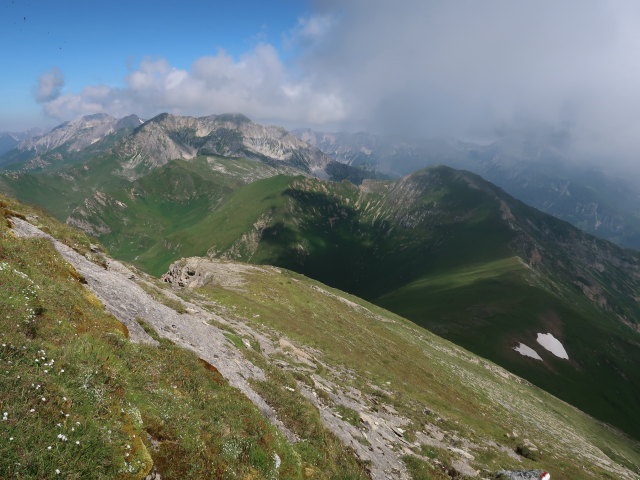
(135, 407)
(457, 255)
(413, 245)
(390, 361)
(132, 215)
(535, 168)
(83, 400)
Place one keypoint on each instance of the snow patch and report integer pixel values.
(551, 343)
(527, 351)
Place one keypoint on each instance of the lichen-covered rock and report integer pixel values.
(523, 475)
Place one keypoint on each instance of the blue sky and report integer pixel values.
(98, 42)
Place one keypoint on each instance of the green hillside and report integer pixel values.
(458, 256)
(440, 247)
(83, 400)
(117, 409)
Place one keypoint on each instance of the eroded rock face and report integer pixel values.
(523, 475)
(167, 137)
(197, 272)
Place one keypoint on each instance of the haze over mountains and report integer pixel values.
(9, 140)
(535, 169)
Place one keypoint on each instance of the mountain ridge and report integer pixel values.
(536, 171)
(527, 272)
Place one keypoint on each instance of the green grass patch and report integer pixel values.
(348, 414)
(159, 296)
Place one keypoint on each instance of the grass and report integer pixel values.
(348, 414)
(328, 456)
(384, 352)
(157, 295)
(108, 408)
(500, 300)
(421, 470)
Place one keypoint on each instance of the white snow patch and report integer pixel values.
(527, 351)
(551, 343)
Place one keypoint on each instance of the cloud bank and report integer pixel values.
(469, 67)
(49, 86)
(414, 67)
(258, 84)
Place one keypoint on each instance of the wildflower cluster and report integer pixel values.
(20, 303)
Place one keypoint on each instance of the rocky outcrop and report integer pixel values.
(78, 134)
(197, 272)
(168, 137)
(522, 475)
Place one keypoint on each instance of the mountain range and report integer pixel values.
(441, 247)
(10, 140)
(140, 146)
(538, 171)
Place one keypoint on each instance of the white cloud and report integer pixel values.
(465, 68)
(258, 84)
(49, 85)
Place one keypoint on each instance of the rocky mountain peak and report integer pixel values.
(167, 137)
(129, 122)
(74, 135)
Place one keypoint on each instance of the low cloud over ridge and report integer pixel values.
(49, 86)
(258, 84)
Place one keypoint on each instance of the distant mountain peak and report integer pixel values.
(97, 116)
(67, 140)
(168, 137)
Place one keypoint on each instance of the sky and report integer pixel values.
(465, 68)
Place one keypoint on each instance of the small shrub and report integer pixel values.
(527, 452)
